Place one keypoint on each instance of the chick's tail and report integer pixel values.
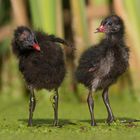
(59, 40)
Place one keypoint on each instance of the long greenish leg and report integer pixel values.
(32, 105)
(91, 107)
(54, 101)
(110, 118)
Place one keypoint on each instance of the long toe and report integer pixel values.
(110, 119)
(93, 124)
(55, 123)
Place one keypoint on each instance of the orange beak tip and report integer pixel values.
(36, 47)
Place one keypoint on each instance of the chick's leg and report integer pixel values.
(91, 107)
(32, 105)
(55, 107)
(110, 118)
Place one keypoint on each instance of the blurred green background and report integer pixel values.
(75, 21)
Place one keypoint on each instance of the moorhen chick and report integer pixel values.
(41, 61)
(101, 65)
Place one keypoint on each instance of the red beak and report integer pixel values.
(100, 29)
(36, 47)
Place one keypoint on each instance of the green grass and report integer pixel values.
(73, 119)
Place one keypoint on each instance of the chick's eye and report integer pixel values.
(110, 23)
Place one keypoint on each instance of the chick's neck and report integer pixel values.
(115, 38)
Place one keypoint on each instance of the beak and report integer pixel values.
(36, 47)
(101, 29)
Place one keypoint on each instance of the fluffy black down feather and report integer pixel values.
(101, 65)
(45, 68)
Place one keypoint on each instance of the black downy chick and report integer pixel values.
(102, 64)
(41, 62)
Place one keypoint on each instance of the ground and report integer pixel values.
(74, 120)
